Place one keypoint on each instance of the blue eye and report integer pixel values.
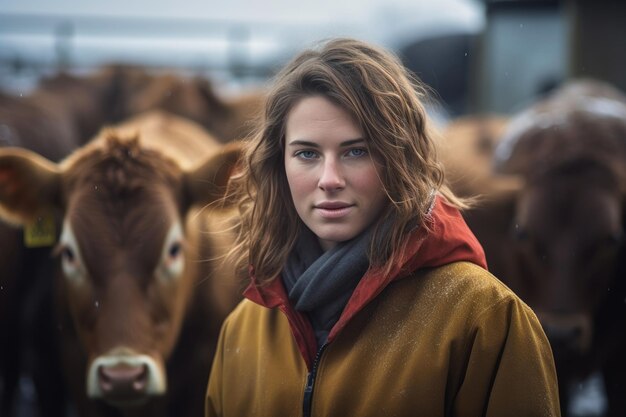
(306, 154)
(356, 152)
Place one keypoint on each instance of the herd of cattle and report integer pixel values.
(113, 279)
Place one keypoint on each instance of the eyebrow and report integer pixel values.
(315, 145)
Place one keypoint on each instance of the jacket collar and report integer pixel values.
(449, 240)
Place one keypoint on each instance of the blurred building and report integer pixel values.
(530, 46)
(239, 42)
(478, 55)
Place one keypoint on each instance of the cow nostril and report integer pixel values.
(126, 380)
(139, 384)
(123, 379)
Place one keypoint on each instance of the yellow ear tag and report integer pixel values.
(40, 233)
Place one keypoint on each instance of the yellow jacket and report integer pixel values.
(436, 336)
(444, 341)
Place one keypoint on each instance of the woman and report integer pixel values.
(368, 294)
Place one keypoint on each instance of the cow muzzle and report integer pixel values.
(123, 378)
(570, 334)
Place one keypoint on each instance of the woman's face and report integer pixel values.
(334, 181)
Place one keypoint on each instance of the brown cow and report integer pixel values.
(135, 90)
(466, 147)
(62, 113)
(227, 118)
(143, 286)
(59, 115)
(558, 238)
(54, 119)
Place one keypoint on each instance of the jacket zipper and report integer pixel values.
(310, 382)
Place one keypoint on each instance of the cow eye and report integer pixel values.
(175, 249)
(67, 255)
(70, 262)
(172, 263)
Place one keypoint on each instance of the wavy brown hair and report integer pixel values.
(386, 101)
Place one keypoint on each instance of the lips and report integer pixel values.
(332, 205)
(333, 209)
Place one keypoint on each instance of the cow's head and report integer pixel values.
(568, 226)
(557, 238)
(466, 149)
(124, 252)
(191, 98)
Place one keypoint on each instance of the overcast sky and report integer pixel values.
(282, 10)
(272, 27)
(374, 20)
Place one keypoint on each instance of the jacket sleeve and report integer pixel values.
(510, 369)
(213, 399)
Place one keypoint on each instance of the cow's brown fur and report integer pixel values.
(58, 116)
(63, 112)
(558, 240)
(466, 146)
(227, 118)
(121, 193)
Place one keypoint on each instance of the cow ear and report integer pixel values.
(29, 185)
(496, 206)
(214, 103)
(490, 218)
(208, 183)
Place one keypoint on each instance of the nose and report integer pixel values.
(122, 383)
(569, 334)
(124, 378)
(331, 178)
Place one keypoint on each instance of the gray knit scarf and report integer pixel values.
(320, 283)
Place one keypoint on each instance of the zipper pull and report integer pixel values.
(310, 382)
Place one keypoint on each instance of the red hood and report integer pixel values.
(449, 240)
